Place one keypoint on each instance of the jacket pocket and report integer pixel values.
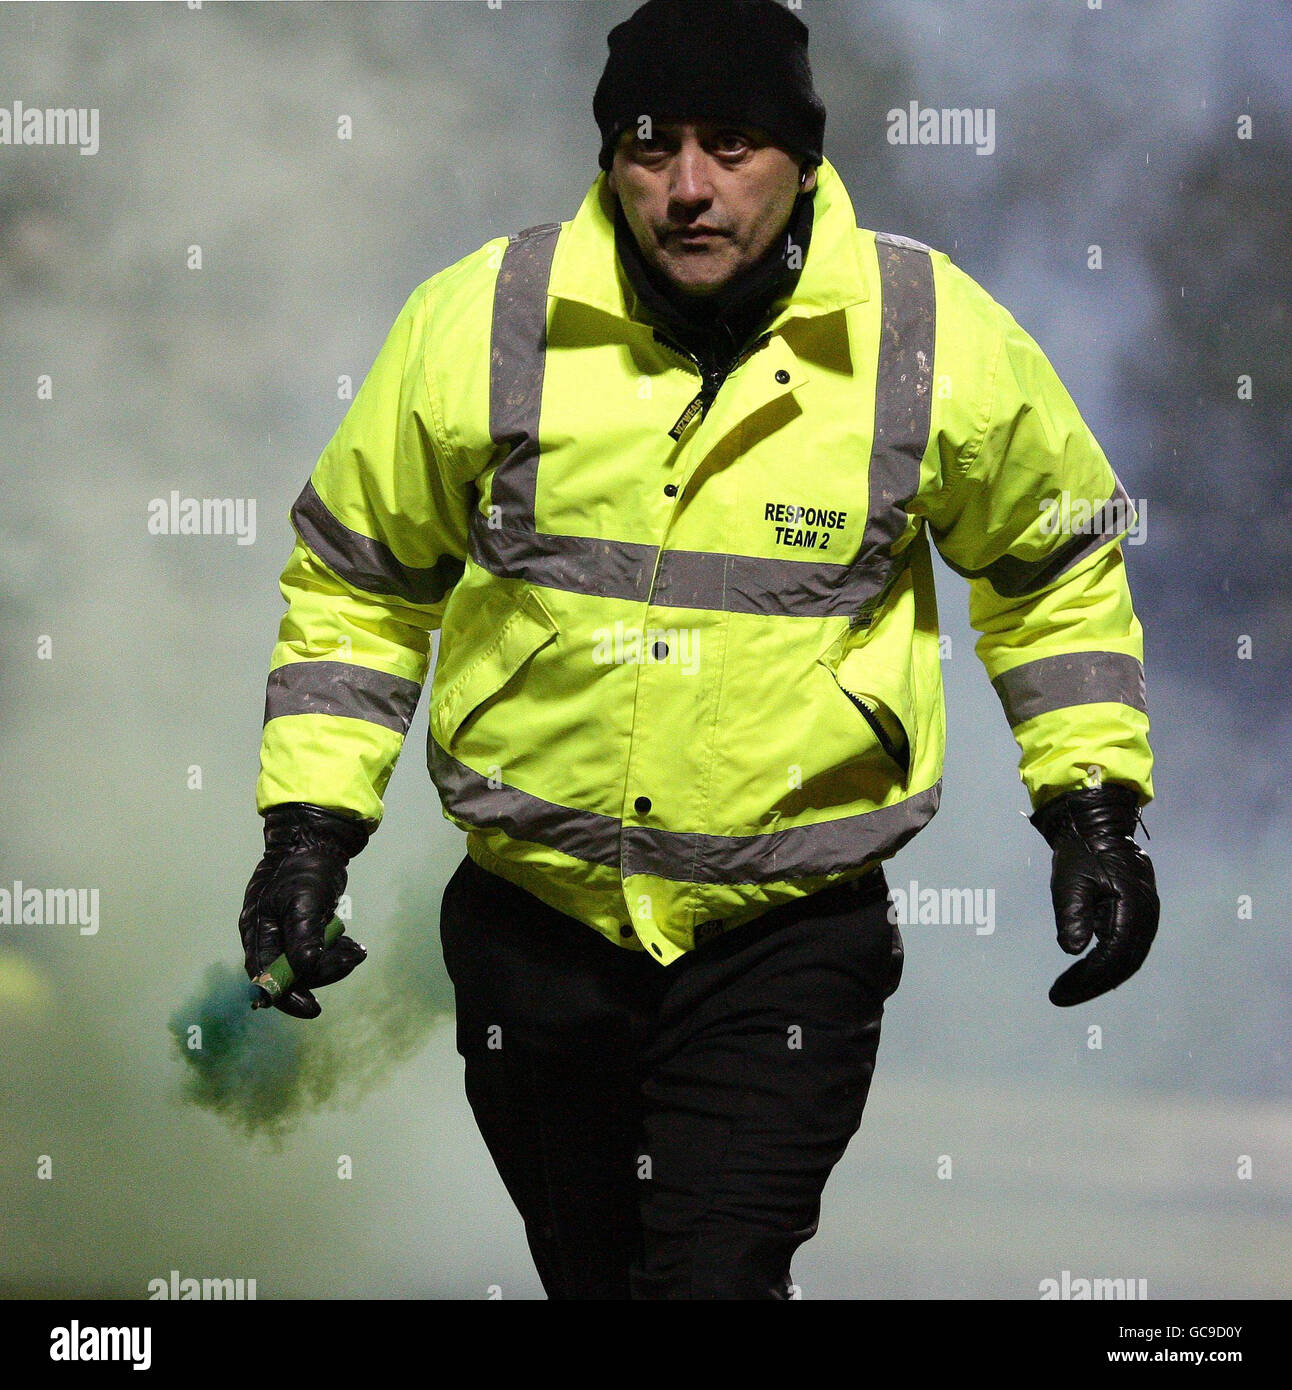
(528, 628)
(883, 705)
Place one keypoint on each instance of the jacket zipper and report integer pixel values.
(712, 380)
(901, 756)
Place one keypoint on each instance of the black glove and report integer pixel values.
(292, 896)
(1102, 885)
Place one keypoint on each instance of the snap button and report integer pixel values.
(641, 805)
(670, 489)
(625, 930)
(782, 376)
(656, 949)
(660, 649)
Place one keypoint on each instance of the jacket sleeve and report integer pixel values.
(381, 535)
(1031, 513)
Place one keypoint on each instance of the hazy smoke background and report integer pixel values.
(218, 127)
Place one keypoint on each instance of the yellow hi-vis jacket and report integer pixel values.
(689, 661)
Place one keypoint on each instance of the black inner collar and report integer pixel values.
(717, 328)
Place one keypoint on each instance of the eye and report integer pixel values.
(647, 147)
(731, 141)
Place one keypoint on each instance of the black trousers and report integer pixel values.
(666, 1131)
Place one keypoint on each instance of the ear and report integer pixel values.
(807, 178)
(610, 181)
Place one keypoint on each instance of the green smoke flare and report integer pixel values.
(262, 1072)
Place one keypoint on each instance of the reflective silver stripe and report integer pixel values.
(337, 687)
(366, 563)
(800, 851)
(1013, 578)
(903, 408)
(892, 239)
(512, 548)
(577, 564)
(685, 578)
(585, 835)
(770, 588)
(517, 358)
(750, 584)
(1077, 678)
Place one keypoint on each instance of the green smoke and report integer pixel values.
(262, 1071)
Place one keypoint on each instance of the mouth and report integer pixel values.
(695, 236)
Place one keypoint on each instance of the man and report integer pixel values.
(665, 476)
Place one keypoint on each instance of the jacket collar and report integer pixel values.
(586, 268)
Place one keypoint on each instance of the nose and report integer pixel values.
(692, 182)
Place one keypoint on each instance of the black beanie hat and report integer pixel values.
(740, 62)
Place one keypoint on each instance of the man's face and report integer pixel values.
(704, 201)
